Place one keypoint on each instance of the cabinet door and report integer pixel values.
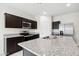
(55, 25)
(12, 44)
(12, 21)
(33, 24)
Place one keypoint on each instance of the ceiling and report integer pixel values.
(51, 9)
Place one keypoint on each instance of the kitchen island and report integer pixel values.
(60, 46)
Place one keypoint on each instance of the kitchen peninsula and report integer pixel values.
(60, 46)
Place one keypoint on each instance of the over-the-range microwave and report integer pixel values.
(26, 25)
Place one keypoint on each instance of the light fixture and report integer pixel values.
(44, 13)
(68, 4)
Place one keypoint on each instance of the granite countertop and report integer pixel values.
(60, 46)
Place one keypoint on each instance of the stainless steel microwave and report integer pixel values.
(26, 25)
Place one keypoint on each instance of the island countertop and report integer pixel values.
(60, 46)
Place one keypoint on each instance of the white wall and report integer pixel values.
(44, 25)
(70, 18)
(3, 30)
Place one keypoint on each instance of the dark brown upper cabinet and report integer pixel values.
(34, 25)
(12, 21)
(55, 25)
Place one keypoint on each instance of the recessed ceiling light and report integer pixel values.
(44, 13)
(68, 4)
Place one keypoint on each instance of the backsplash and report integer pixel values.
(17, 31)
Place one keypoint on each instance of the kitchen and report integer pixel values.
(26, 34)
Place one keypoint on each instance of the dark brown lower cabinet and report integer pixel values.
(12, 45)
(31, 37)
